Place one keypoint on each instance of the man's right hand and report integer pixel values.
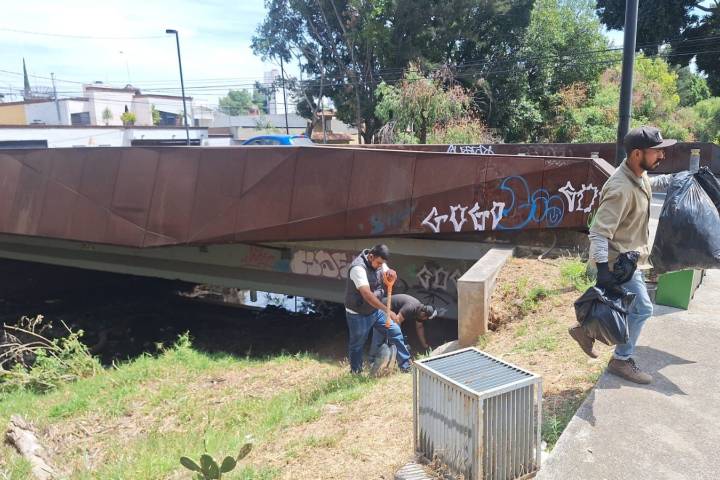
(604, 277)
(393, 316)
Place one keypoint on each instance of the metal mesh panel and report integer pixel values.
(479, 415)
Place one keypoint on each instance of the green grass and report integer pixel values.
(155, 389)
(574, 273)
(533, 298)
(545, 340)
(556, 419)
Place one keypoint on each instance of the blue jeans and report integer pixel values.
(641, 310)
(359, 327)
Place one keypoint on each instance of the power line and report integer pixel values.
(83, 37)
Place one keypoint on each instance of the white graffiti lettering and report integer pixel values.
(453, 218)
(437, 278)
(438, 219)
(321, 263)
(471, 149)
(580, 200)
(457, 217)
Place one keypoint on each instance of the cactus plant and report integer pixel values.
(208, 468)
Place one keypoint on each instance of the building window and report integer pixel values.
(167, 118)
(81, 118)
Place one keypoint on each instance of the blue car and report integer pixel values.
(279, 140)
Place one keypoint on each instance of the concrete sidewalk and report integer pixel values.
(667, 430)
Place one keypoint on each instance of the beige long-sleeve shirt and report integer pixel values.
(623, 216)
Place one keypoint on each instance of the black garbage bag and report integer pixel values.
(688, 234)
(603, 314)
(710, 184)
(625, 266)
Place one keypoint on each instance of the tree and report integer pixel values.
(155, 115)
(593, 116)
(563, 46)
(706, 120)
(236, 102)
(357, 44)
(692, 87)
(107, 115)
(128, 118)
(418, 103)
(260, 97)
(689, 26)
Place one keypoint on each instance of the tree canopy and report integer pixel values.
(236, 102)
(690, 27)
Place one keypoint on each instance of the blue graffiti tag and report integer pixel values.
(538, 207)
(395, 219)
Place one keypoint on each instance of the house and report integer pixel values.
(343, 134)
(100, 104)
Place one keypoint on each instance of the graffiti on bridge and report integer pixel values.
(321, 263)
(384, 221)
(437, 286)
(458, 216)
(257, 257)
(472, 149)
(523, 208)
(577, 199)
(537, 206)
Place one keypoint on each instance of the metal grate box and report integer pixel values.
(479, 415)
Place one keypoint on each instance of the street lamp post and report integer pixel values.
(182, 84)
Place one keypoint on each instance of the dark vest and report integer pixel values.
(353, 300)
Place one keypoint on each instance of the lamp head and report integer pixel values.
(169, 30)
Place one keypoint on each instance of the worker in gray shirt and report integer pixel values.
(621, 225)
(407, 308)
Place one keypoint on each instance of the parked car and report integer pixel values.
(279, 140)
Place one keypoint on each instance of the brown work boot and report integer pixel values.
(628, 370)
(585, 342)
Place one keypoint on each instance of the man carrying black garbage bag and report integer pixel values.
(621, 225)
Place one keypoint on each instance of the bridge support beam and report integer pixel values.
(475, 289)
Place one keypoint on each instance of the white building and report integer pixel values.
(100, 105)
(60, 136)
(276, 101)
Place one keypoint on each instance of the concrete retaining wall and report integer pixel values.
(475, 289)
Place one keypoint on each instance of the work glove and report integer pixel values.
(605, 279)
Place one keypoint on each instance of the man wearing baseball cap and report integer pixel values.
(621, 225)
(408, 308)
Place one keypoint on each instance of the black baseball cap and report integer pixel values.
(645, 137)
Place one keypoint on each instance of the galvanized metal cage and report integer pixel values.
(479, 415)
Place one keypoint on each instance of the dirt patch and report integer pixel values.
(532, 308)
(368, 438)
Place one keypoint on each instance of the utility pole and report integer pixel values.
(182, 84)
(127, 66)
(57, 104)
(282, 74)
(322, 116)
(626, 86)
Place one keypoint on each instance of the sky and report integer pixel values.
(214, 41)
(118, 43)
